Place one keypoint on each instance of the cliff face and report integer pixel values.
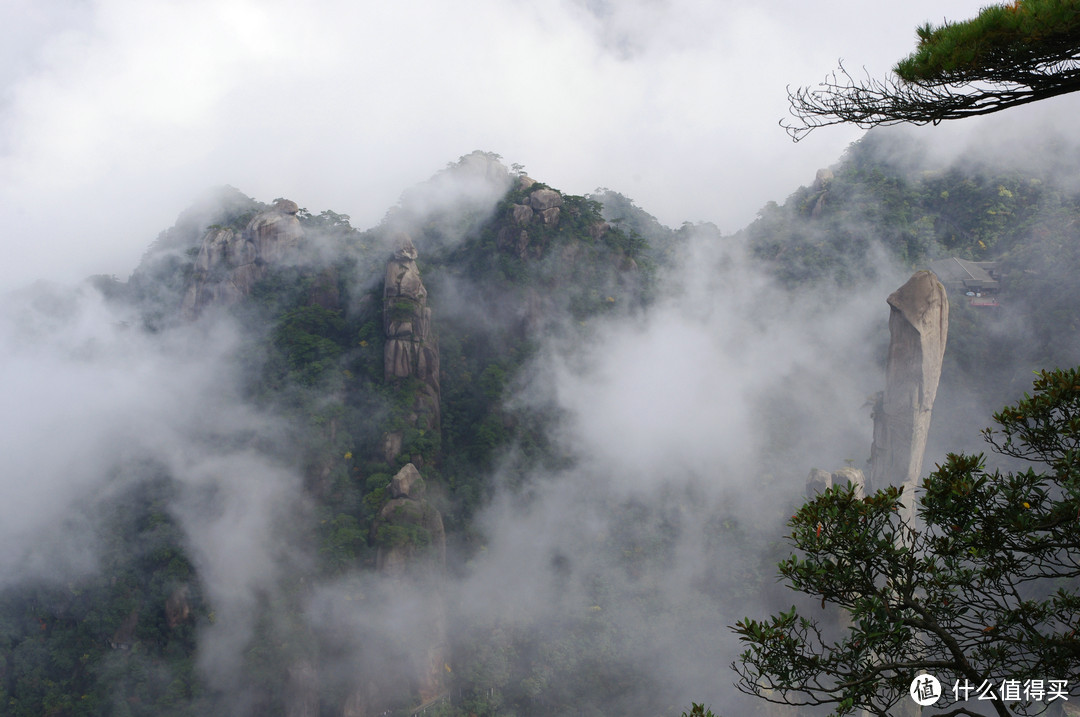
(408, 530)
(819, 481)
(918, 327)
(412, 555)
(412, 350)
(230, 262)
(341, 352)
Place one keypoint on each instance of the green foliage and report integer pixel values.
(1022, 29)
(890, 197)
(698, 710)
(643, 232)
(341, 540)
(402, 309)
(313, 354)
(310, 339)
(312, 357)
(576, 666)
(1005, 57)
(325, 222)
(983, 586)
(405, 527)
(101, 644)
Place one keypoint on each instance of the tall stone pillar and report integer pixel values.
(412, 350)
(918, 327)
(408, 530)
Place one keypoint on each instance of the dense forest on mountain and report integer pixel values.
(881, 198)
(506, 280)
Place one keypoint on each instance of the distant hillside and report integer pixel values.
(372, 381)
(889, 200)
(368, 394)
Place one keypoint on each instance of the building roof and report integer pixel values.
(963, 273)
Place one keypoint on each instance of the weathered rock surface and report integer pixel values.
(391, 445)
(178, 606)
(408, 529)
(819, 481)
(412, 556)
(550, 216)
(541, 207)
(424, 550)
(820, 188)
(302, 690)
(230, 262)
(412, 350)
(522, 214)
(544, 199)
(407, 483)
(851, 475)
(918, 328)
(546, 203)
(420, 548)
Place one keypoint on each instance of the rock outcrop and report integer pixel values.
(230, 262)
(302, 690)
(819, 481)
(541, 208)
(408, 530)
(412, 350)
(407, 483)
(178, 606)
(918, 328)
(820, 191)
(411, 559)
(546, 203)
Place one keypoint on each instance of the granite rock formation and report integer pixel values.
(918, 328)
(411, 560)
(230, 262)
(522, 234)
(412, 350)
(302, 690)
(819, 481)
(408, 530)
(420, 544)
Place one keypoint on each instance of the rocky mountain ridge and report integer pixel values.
(383, 359)
(336, 333)
(230, 263)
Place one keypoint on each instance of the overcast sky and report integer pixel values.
(116, 114)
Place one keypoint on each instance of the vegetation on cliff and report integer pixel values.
(981, 588)
(1006, 56)
(509, 267)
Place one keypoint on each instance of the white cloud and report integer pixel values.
(119, 112)
(93, 407)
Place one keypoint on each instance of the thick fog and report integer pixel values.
(711, 405)
(716, 402)
(93, 407)
(687, 427)
(110, 110)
